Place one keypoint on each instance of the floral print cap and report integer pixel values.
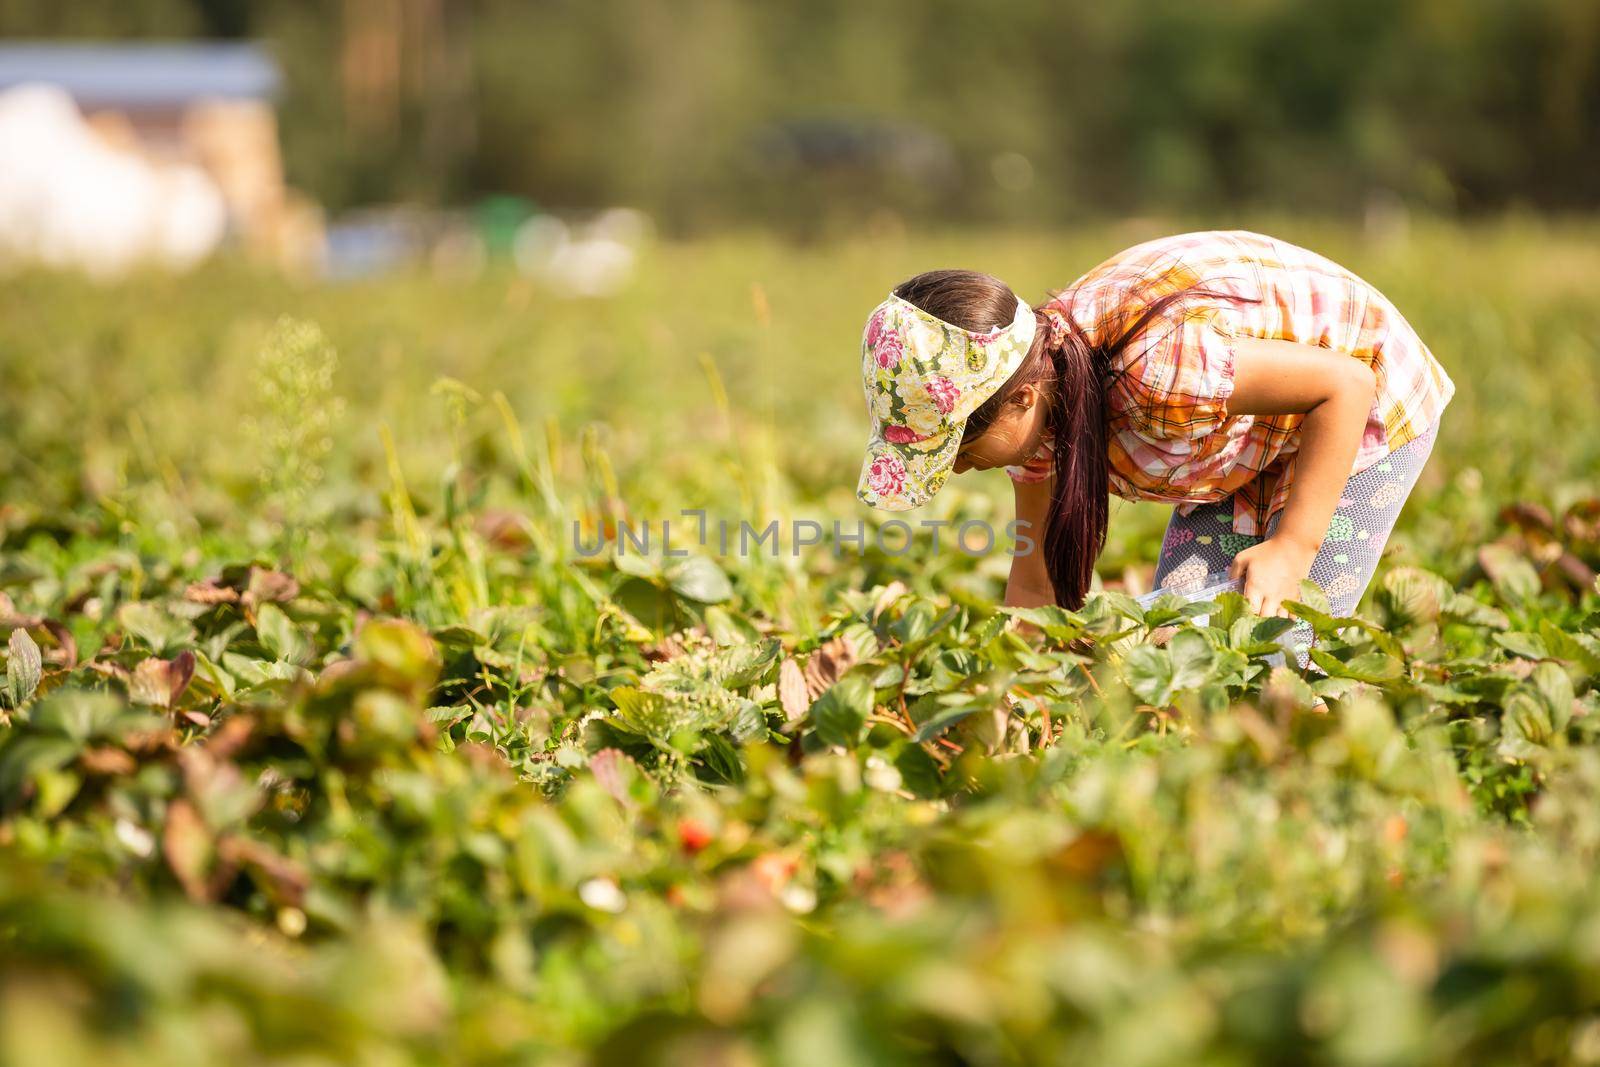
(923, 378)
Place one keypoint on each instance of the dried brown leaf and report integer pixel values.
(160, 682)
(65, 650)
(891, 592)
(230, 737)
(186, 843)
(504, 529)
(147, 684)
(1575, 571)
(265, 585)
(180, 671)
(1089, 855)
(611, 768)
(109, 669)
(284, 880)
(1528, 517)
(1581, 523)
(107, 761)
(145, 742)
(65, 654)
(793, 693)
(827, 665)
(210, 591)
(668, 648)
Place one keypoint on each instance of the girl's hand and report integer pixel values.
(1272, 571)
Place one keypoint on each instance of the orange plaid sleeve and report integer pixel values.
(1178, 376)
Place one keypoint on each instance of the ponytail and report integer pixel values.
(1080, 506)
(1079, 514)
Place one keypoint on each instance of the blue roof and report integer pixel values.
(143, 75)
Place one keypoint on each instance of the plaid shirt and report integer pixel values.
(1170, 435)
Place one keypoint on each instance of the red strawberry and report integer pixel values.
(693, 835)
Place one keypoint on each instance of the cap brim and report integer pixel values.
(899, 477)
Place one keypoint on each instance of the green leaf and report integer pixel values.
(23, 667)
(1231, 607)
(460, 637)
(27, 757)
(1192, 658)
(729, 628)
(749, 723)
(1322, 623)
(743, 665)
(1580, 649)
(447, 715)
(1332, 687)
(1411, 596)
(889, 676)
(989, 628)
(1313, 596)
(1268, 630)
(1242, 635)
(402, 650)
(941, 721)
(841, 712)
(1513, 577)
(698, 578)
(1283, 684)
(1375, 667)
(1156, 675)
(155, 626)
(1148, 670)
(722, 760)
(1528, 645)
(1551, 681)
(253, 672)
(1372, 667)
(650, 715)
(279, 635)
(1447, 694)
(637, 565)
(1102, 606)
(915, 623)
(1525, 725)
(918, 772)
(82, 715)
(1462, 607)
(1056, 622)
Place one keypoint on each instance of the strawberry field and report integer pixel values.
(329, 737)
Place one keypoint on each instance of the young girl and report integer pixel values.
(1280, 402)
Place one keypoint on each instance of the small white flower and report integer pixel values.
(135, 838)
(882, 775)
(291, 921)
(802, 900)
(602, 894)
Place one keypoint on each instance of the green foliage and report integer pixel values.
(447, 790)
(1141, 105)
(294, 386)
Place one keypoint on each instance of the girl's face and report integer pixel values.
(1013, 437)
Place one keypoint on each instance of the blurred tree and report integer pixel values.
(1053, 109)
(224, 18)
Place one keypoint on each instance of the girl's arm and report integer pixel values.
(1029, 584)
(1334, 391)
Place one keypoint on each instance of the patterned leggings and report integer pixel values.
(1203, 542)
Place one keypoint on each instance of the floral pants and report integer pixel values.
(1203, 542)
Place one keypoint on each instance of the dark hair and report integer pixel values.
(1073, 377)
